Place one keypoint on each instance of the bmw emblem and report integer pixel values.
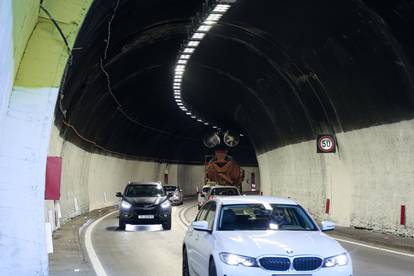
(289, 251)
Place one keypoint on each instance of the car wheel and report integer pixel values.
(186, 270)
(212, 268)
(121, 225)
(167, 225)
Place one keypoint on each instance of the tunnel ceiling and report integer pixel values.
(280, 72)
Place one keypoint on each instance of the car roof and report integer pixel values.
(226, 200)
(144, 183)
(219, 186)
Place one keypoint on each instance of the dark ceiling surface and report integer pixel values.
(278, 71)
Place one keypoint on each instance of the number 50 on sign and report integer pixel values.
(325, 143)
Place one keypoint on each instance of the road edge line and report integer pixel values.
(376, 247)
(93, 258)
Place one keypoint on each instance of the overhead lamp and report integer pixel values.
(185, 56)
(189, 50)
(204, 28)
(193, 117)
(209, 22)
(198, 36)
(221, 8)
(214, 127)
(179, 103)
(182, 61)
(199, 120)
(206, 124)
(176, 87)
(193, 43)
(179, 73)
(214, 17)
(188, 113)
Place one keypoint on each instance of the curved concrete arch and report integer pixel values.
(344, 68)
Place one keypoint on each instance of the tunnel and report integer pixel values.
(92, 83)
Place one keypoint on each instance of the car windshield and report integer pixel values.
(144, 191)
(224, 191)
(170, 188)
(265, 217)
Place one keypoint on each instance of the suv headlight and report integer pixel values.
(338, 260)
(165, 204)
(233, 259)
(125, 204)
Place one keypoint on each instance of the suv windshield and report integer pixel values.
(265, 217)
(170, 188)
(144, 190)
(224, 191)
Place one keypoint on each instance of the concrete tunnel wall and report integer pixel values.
(90, 180)
(367, 181)
(371, 163)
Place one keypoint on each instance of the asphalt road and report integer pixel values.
(150, 251)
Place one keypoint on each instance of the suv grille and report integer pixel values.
(275, 263)
(307, 263)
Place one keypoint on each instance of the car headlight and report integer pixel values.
(125, 204)
(165, 204)
(338, 260)
(233, 259)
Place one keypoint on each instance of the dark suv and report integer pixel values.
(144, 203)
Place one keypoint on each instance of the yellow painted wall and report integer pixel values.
(45, 56)
(25, 16)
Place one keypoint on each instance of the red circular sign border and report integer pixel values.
(330, 138)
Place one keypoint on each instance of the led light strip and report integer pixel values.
(207, 24)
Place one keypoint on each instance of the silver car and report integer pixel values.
(175, 192)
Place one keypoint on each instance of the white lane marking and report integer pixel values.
(96, 264)
(377, 248)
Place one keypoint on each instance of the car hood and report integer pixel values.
(258, 243)
(145, 200)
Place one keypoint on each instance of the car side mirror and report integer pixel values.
(200, 225)
(118, 194)
(327, 226)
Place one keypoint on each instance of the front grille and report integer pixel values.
(275, 263)
(307, 263)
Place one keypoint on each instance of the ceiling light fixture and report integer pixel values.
(200, 32)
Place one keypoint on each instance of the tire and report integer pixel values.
(121, 225)
(167, 224)
(186, 269)
(212, 268)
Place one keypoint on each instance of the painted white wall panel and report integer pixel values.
(6, 55)
(23, 150)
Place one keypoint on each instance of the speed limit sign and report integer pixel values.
(325, 144)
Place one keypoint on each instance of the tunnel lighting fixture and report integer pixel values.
(214, 17)
(209, 22)
(221, 8)
(241, 135)
(194, 40)
(203, 28)
(198, 36)
(189, 50)
(183, 61)
(193, 44)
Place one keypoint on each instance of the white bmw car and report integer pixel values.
(256, 235)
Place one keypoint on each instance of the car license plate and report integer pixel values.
(145, 216)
